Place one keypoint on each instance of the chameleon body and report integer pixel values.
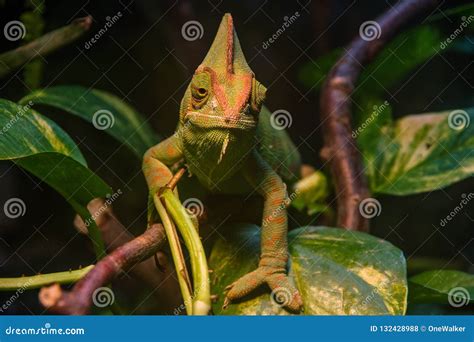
(225, 137)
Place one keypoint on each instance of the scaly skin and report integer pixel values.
(226, 147)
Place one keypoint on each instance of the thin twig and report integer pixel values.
(44, 45)
(80, 299)
(174, 181)
(340, 148)
(33, 282)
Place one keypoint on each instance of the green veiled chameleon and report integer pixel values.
(225, 137)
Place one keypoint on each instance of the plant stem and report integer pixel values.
(36, 281)
(202, 292)
(177, 254)
(44, 45)
(79, 300)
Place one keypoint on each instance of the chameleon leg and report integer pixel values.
(155, 167)
(274, 247)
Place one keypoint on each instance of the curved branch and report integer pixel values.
(340, 149)
(43, 45)
(79, 300)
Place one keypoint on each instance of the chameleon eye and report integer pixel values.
(258, 95)
(199, 93)
(199, 89)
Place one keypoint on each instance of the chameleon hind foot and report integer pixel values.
(283, 292)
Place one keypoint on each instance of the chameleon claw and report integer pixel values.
(226, 303)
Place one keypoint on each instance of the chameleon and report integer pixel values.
(225, 138)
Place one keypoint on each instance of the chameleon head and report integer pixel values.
(223, 93)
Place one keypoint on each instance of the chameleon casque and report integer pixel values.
(225, 137)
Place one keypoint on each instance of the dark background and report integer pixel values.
(144, 60)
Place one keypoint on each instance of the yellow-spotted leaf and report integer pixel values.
(442, 286)
(38, 145)
(420, 153)
(105, 111)
(337, 272)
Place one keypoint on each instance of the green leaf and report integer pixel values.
(421, 153)
(41, 147)
(105, 111)
(442, 286)
(337, 272)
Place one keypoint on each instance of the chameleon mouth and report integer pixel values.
(214, 121)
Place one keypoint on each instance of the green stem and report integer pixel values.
(202, 291)
(177, 255)
(37, 281)
(44, 45)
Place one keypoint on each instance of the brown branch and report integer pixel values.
(79, 300)
(43, 45)
(115, 235)
(340, 148)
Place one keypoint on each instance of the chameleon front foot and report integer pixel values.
(283, 292)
